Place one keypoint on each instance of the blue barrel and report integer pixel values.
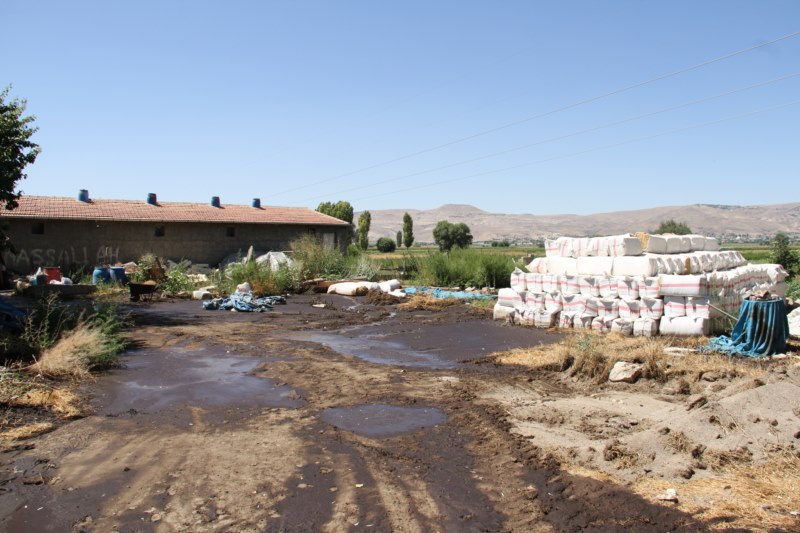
(118, 275)
(101, 274)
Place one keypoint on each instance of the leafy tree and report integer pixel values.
(364, 221)
(16, 150)
(399, 238)
(783, 254)
(502, 244)
(408, 231)
(341, 210)
(385, 245)
(447, 235)
(670, 226)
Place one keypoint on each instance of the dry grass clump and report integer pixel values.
(27, 432)
(426, 302)
(60, 401)
(760, 496)
(591, 355)
(77, 352)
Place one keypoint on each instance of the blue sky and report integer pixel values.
(404, 104)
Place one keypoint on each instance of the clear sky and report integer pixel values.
(514, 106)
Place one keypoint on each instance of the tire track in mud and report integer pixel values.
(284, 469)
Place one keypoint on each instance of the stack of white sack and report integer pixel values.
(646, 265)
(582, 284)
(616, 245)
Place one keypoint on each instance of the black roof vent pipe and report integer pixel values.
(152, 199)
(83, 195)
(215, 201)
(257, 203)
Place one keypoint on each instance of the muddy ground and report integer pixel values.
(356, 417)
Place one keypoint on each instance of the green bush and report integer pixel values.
(385, 245)
(793, 290)
(464, 268)
(51, 320)
(177, 280)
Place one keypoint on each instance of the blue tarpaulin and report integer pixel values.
(441, 293)
(762, 330)
(246, 303)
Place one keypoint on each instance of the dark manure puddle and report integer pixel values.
(379, 420)
(157, 379)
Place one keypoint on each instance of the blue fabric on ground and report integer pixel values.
(10, 317)
(441, 293)
(245, 303)
(762, 330)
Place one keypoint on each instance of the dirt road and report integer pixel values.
(350, 417)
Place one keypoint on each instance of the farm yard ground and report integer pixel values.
(334, 414)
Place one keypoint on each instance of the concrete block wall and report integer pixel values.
(80, 244)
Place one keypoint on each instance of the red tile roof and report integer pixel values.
(60, 208)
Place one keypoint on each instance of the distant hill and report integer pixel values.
(728, 222)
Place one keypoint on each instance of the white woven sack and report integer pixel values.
(640, 265)
(674, 306)
(602, 324)
(501, 312)
(533, 281)
(608, 287)
(648, 287)
(684, 326)
(518, 280)
(573, 303)
(608, 308)
(553, 302)
(712, 244)
(568, 284)
(629, 309)
(698, 307)
(562, 265)
(582, 321)
(510, 298)
(657, 244)
(620, 245)
(620, 325)
(645, 327)
(595, 266)
(566, 320)
(546, 319)
(628, 288)
(689, 285)
(651, 308)
(549, 282)
(538, 265)
(525, 318)
(698, 243)
(589, 285)
(534, 301)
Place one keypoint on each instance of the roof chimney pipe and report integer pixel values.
(152, 199)
(83, 195)
(215, 201)
(257, 203)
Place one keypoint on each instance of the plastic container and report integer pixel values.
(118, 275)
(101, 274)
(52, 273)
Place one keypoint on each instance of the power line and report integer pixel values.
(562, 137)
(573, 154)
(545, 114)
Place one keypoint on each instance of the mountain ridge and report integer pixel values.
(728, 222)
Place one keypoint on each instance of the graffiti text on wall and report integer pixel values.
(26, 260)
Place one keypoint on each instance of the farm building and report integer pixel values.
(84, 232)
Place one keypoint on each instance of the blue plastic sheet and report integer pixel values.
(441, 293)
(245, 303)
(762, 330)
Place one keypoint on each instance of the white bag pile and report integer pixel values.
(638, 285)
